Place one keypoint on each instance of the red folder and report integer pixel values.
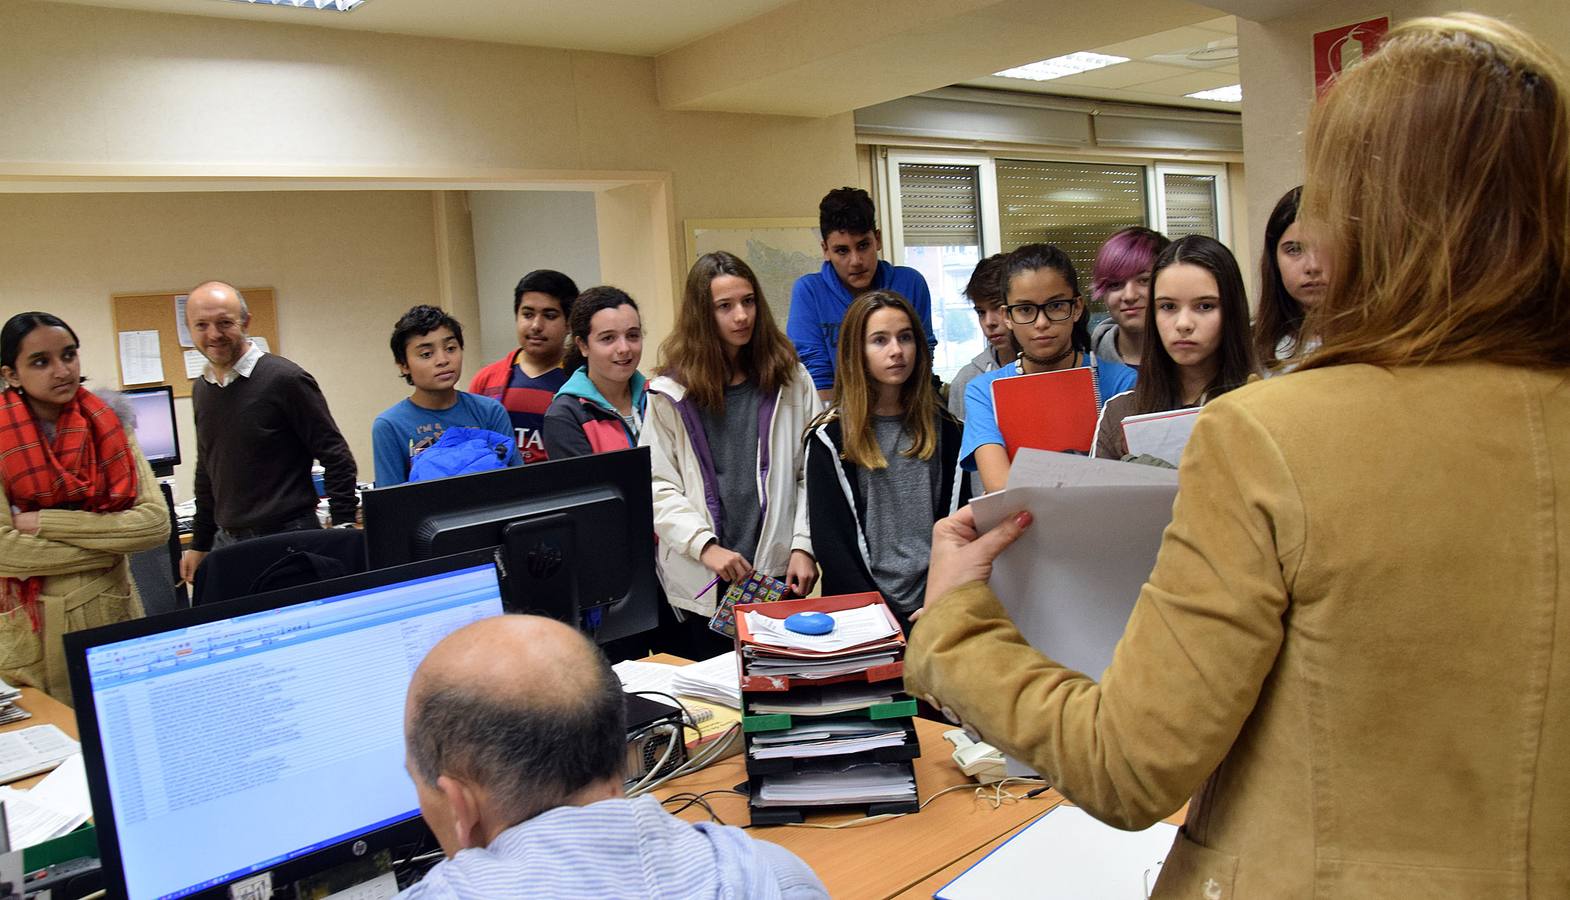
(1047, 411)
(783, 609)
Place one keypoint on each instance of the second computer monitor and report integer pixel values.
(577, 535)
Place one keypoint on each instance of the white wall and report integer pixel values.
(345, 266)
(516, 232)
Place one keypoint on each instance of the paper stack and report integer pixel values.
(827, 723)
(9, 711)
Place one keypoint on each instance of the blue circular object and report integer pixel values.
(810, 623)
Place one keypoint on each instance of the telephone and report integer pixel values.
(979, 760)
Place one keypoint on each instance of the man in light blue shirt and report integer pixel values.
(516, 742)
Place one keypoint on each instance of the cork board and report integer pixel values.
(156, 312)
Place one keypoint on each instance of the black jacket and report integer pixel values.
(836, 506)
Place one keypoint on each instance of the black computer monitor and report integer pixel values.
(577, 535)
(156, 433)
(263, 734)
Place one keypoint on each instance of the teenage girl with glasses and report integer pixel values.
(1046, 316)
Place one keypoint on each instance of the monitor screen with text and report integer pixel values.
(233, 746)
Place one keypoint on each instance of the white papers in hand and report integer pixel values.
(1066, 854)
(852, 627)
(1162, 435)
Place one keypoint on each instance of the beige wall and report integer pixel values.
(1278, 77)
(115, 94)
(345, 265)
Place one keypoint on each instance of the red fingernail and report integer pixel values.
(1023, 520)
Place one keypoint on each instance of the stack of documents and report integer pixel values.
(829, 784)
(714, 680)
(55, 807)
(829, 737)
(826, 719)
(9, 711)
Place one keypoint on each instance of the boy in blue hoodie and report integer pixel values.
(851, 244)
(427, 346)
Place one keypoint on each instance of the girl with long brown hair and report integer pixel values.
(1197, 346)
(725, 419)
(1359, 619)
(883, 461)
(1292, 280)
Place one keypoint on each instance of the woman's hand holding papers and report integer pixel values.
(960, 555)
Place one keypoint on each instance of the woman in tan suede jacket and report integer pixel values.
(1353, 654)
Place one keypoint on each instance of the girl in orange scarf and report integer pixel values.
(75, 497)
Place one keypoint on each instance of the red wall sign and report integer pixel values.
(1339, 49)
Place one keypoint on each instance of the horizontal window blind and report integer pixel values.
(940, 205)
(1190, 205)
(1073, 205)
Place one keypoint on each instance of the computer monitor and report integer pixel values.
(153, 409)
(577, 535)
(264, 734)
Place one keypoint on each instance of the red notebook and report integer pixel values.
(1047, 411)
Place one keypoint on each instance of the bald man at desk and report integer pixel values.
(516, 741)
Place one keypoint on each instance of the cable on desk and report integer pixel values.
(716, 749)
(689, 799)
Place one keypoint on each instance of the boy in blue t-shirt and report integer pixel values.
(427, 345)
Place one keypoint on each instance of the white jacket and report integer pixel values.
(682, 518)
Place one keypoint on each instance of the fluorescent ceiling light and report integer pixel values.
(1060, 66)
(1232, 93)
(338, 5)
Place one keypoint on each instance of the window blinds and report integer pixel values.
(1073, 205)
(940, 205)
(1190, 204)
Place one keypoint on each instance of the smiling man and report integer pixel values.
(260, 421)
(851, 244)
(526, 379)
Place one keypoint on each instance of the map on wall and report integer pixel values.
(778, 250)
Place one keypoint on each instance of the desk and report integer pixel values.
(883, 859)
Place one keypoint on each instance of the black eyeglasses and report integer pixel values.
(1056, 311)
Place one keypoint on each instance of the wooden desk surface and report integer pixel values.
(887, 858)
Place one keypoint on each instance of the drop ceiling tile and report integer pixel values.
(1188, 83)
(1120, 75)
(1177, 40)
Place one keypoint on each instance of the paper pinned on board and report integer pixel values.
(1067, 854)
(195, 362)
(1162, 435)
(182, 330)
(141, 360)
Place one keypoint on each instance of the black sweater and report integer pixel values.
(835, 516)
(255, 441)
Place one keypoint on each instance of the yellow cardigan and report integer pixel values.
(1353, 652)
(87, 577)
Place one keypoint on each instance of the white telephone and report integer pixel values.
(979, 760)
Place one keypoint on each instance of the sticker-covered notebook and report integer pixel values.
(755, 588)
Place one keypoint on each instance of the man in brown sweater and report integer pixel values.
(260, 421)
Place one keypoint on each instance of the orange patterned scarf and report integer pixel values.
(88, 466)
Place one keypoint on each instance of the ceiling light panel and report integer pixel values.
(331, 5)
(1062, 66)
(1232, 93)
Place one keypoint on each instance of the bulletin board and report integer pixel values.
(156, 312)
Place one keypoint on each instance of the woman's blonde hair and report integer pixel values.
(1439, 182)
(855, 393)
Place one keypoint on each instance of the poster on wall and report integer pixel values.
(1339, 49)
(778, 250)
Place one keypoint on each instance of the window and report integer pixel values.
(939, 209)
(945, 211)
(1073, 205)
